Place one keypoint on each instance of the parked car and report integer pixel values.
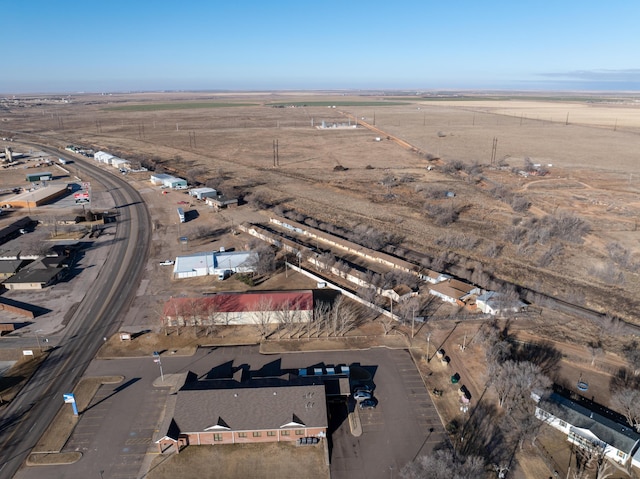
(166, 262)
(368, 404)
(361, 395)
(364, 387)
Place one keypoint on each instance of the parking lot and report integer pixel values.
(116, 431)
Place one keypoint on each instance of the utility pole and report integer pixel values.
(494, 149)
(413, 319)
(276, 154)
(428, 344)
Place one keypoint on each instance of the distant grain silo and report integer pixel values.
(8, 155)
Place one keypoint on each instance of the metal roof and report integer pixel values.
(618, 435)
(211, 262)
(236, 302)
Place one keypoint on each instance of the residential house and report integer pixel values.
(454, 291)
(492, 302)
(588, 425)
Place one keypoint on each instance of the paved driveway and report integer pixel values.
(116, 430)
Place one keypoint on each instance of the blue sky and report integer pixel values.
(71, 46)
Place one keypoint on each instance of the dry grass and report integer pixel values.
(594, 175)
(260, 461)
(235, 146)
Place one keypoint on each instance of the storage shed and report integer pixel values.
(103, 157)
(159, 178)
(202, 193)
(120, 163)
(41, 176)
(175, 183)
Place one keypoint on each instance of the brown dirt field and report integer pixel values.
(261, 461)
(595, 175)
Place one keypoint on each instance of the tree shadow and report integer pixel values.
(624, 378)
(542, 354)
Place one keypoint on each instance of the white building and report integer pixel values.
(169, 181)
(492, 302)
(202, 193)
(175, 183)
(587, 428)
(253, 307)
(120, 163)
(103, 157)
(215, 263)
(159, 178)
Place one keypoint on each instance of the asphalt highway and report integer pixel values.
(98, 316)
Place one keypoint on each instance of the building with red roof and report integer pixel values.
(232, 308)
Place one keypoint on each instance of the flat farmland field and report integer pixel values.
(391, 172)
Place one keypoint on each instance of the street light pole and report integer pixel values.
(156, 359)
(428, 344)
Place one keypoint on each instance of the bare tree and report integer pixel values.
(285, 317)
(367, 294)
(595, 348)
(632, 354)
(266, 262)
(444, 464)
(264, 316)
(388, 323)
(627, 401)
(346, 315)
(514, 382)
(320, 317)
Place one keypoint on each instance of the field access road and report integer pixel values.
(97, 316)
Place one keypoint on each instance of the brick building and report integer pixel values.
(207, 414)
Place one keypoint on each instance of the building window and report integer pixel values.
(621, 454)
(257, 434)
(242, 434)
(217, 437)
(299, 432)
(271, 433)
(286, 433)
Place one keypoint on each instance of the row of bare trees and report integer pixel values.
(286, 320)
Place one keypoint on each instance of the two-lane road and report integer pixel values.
(98, 316)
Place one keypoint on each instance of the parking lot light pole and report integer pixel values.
(156, 359)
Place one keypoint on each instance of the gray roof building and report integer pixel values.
(587, 426)
(250, 409)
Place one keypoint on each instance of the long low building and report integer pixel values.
(37, 197)
(168, 181)
(215, 263)
(589, 427)
(241, 415)
(232, 308)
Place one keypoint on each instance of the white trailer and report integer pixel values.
(181, 215)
